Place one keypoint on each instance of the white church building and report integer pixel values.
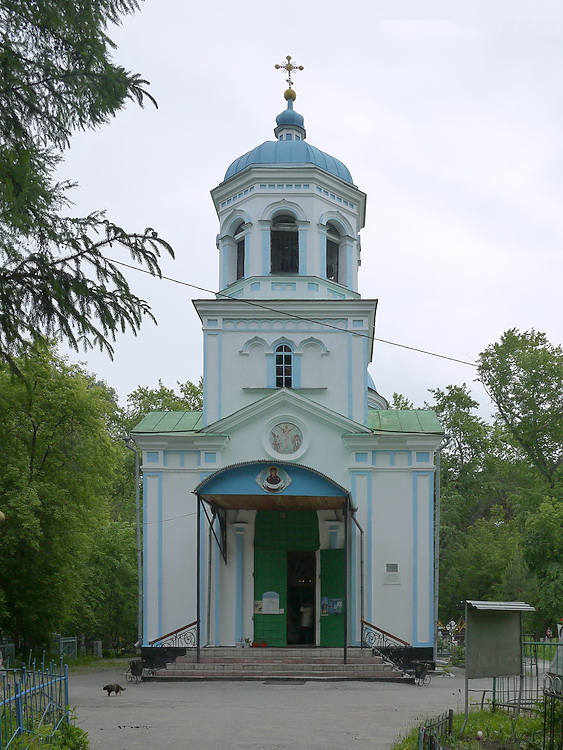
(296, 488)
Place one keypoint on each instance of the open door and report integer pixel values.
(333, 597)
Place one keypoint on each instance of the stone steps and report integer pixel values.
(279, 664)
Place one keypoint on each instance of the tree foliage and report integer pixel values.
(523, 375)
(57, 76)
(501, 485)
(56, 485)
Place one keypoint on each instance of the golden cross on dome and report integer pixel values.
(289, 67)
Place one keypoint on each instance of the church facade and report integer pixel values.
(296, 505)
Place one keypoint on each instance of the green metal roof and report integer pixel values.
(379, 420)
(403, 420)
(169, 421)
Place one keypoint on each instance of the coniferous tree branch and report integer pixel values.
(57, 76)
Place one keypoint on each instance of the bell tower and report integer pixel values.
(289, 252)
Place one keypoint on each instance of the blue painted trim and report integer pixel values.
(266, 251)
(202, 555)
(296, 370)
(270, 370)
(152, 457)
(160, 554)
(365, 377)
(369, 549)
(414, 626)
(145, 577)
(217, 598)
(350, 379)
(303, 252)
(349, 265)
(159, 548)
(431, 555)
(322, 269)
(352, 613)
(361, 458)
(205, 407)
(223, 281)
(220, 377)
(239, 585)
(430, 542)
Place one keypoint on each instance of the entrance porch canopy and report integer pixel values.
(244, 487)
(238, 487)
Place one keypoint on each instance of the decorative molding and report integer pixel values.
(255, 324)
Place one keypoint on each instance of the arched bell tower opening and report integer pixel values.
(284, 245)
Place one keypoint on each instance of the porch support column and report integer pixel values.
(346, 574)
(239, 529)
(198, 582)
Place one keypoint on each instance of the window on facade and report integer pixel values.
(332, 253)
(240, 252)
(284, 245)
(284, 366)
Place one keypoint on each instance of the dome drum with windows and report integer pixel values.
(290, 217)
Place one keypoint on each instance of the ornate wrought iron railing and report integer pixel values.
(391, 648)
(184, 637)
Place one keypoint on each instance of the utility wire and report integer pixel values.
(254, 303)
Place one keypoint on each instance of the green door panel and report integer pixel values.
(333, 586)
(270, 574)
(276, 534)
(296, 530)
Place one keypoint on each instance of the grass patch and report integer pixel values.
(487, 730)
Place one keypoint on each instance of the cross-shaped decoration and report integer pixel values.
(290, 67)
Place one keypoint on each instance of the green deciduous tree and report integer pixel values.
(523, 375)
(56, 484)
(57, 76)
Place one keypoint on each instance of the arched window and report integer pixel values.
(240, 240)
(284, 245)
(284, 366)
(332, 252)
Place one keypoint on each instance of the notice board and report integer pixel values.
(493, 643)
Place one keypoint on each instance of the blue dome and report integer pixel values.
(289, 153)
(290, 149)
(290, 117)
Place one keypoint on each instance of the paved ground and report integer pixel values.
(256, 716)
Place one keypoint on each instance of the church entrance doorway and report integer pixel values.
(301, 596)
(285, 577)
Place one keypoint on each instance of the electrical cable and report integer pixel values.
(254, 303)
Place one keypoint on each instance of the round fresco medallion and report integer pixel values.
(286, 438)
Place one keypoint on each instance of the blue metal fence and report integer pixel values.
(33, 704)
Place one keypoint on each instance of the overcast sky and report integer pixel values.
(449, 116)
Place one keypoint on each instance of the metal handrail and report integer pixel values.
(184, 636)
(388, 638)
(390, 648)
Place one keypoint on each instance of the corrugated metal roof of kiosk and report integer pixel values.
(497, 606)
(242, 487)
